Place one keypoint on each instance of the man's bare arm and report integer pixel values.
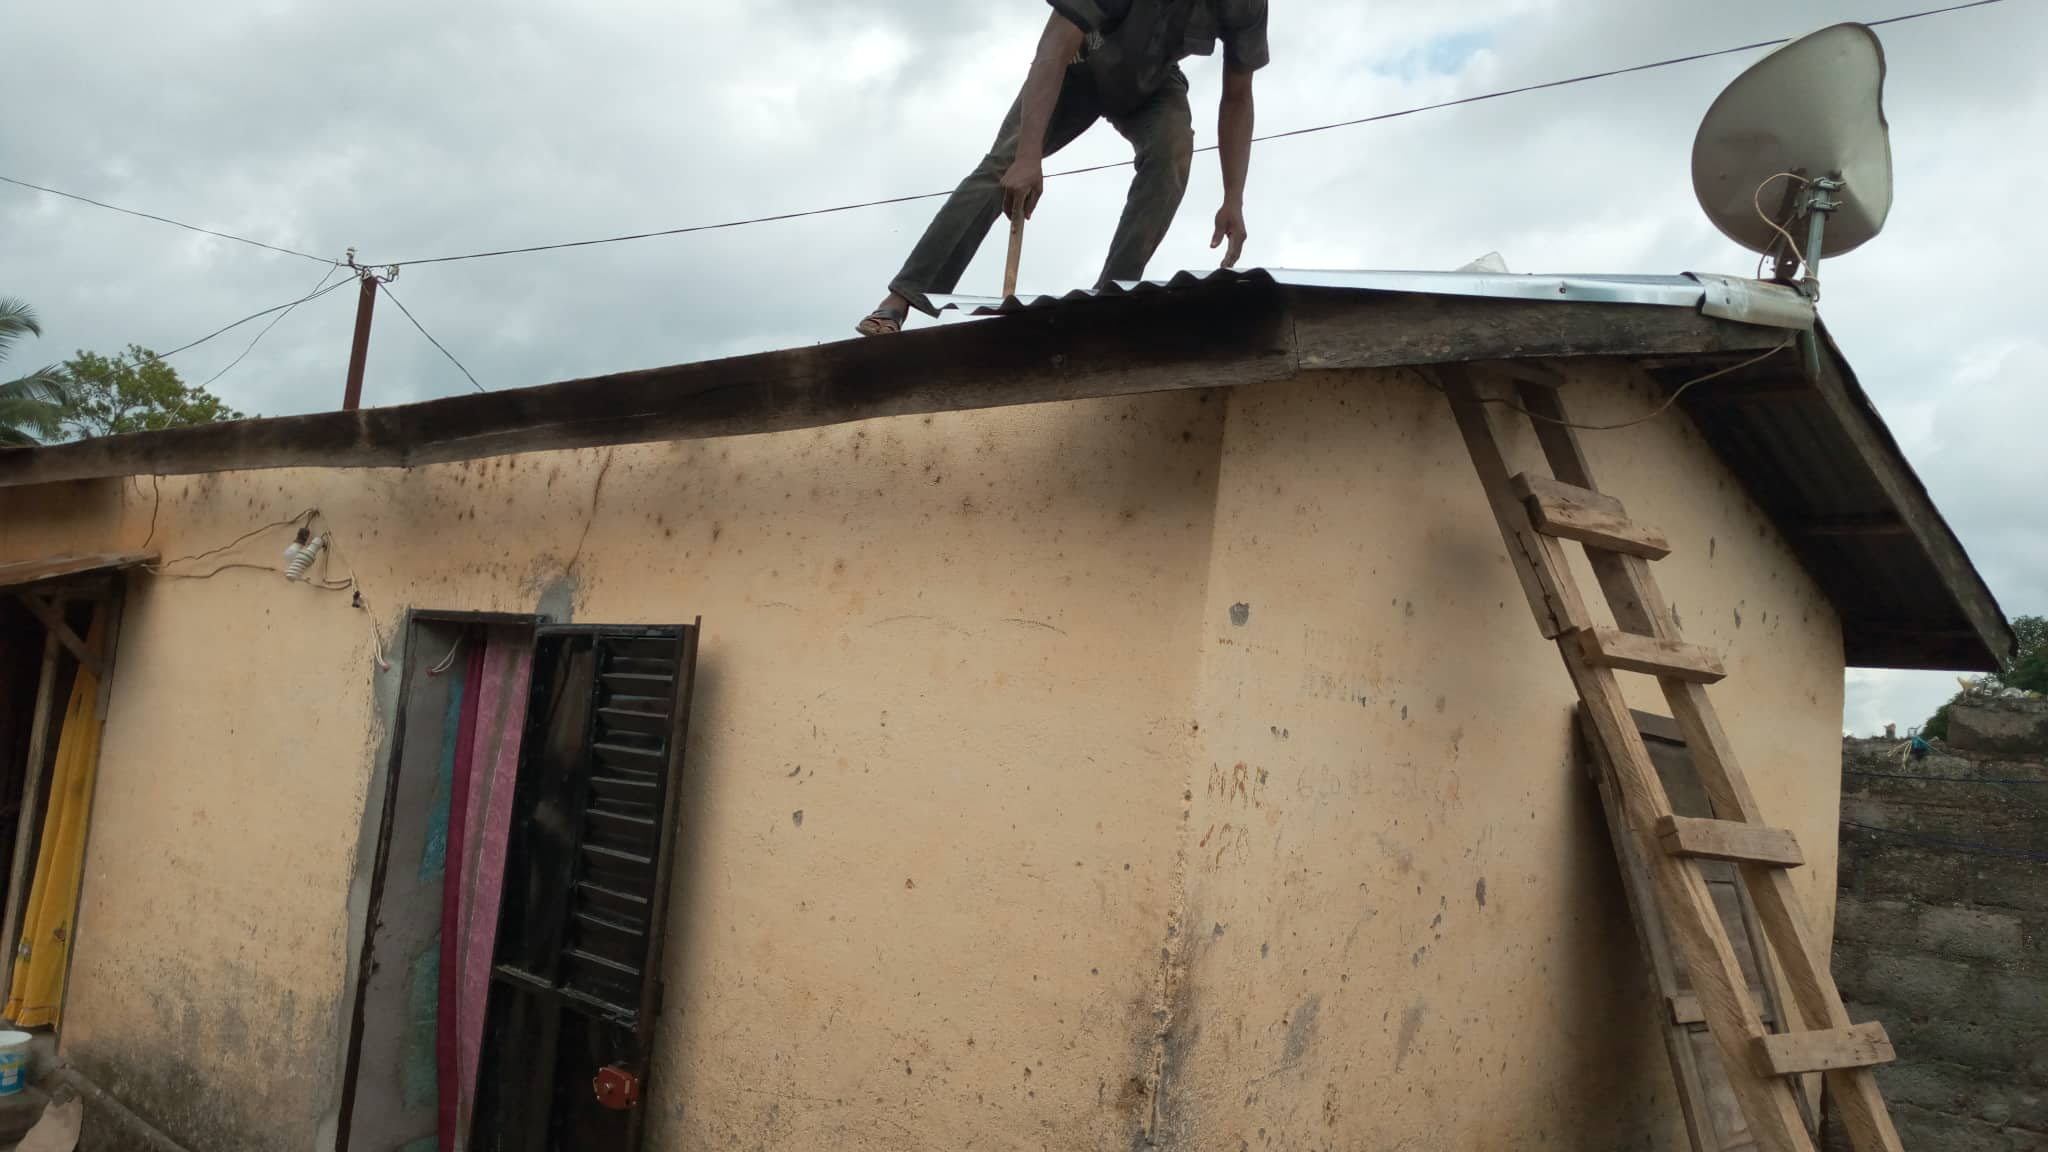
(1234, 146)
(1025, 181)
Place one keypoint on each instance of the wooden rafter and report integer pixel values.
(52, 618)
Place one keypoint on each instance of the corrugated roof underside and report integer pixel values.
(1795, 461)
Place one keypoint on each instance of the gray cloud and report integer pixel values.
(412, 130)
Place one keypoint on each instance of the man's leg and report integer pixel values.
(956, 233)
(1162, 135)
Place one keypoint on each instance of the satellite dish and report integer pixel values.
(1802, 136)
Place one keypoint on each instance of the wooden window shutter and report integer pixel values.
(576, 977)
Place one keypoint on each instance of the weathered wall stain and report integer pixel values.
(1411, 1025)
(268, 1105)
(1301, 1029)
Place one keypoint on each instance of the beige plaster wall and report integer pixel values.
(1404, 925)
(1032, 900)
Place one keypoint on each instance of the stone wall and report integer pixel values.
(1941, 927)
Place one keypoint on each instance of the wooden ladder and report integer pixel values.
(1537, 514)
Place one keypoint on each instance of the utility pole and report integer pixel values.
(359, 350)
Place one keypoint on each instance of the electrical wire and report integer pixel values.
(166, 220)
(156, 504)
(1374, 119)
(447, 661)
(324, 586)
(1660, 410)
(1958, 845)
(1756, 199)
(1475, 99)
(351, 584)
(251, 534)
(286, 306)
(386, 288)
(275, 321)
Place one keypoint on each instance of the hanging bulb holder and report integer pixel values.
(300, 554)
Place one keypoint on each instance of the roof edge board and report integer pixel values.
(1220, 334)
(18, 575)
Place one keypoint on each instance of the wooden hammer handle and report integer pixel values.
(1016, 255)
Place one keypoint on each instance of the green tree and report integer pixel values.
(32, 407)
(2026, 671)
(134, 392)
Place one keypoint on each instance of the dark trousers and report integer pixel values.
(1162, 136)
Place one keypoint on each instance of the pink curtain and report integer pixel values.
(480, 819)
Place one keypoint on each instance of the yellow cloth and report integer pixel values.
(40, 961)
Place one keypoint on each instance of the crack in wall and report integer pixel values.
(1169, 999)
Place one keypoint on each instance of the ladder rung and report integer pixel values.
(1685, 1009)
(1613, 648)
(1592, 518)
(1857, 1046)
(1729, 840)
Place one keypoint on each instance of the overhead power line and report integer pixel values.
(1383, 116)
(287, 305)
(274, 322)
(1612, 72)
(386, 289)
(167, 220)
(1374, 119)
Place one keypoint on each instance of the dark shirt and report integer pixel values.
(1133, 46)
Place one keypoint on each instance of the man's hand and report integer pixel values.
(1022, 185)
(1230, 225)
(1234, 147)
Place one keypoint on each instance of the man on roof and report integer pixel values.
(1115, 60)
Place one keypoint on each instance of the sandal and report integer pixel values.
(882, 322)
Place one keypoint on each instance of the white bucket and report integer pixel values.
(13, 1062)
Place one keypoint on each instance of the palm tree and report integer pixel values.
(33, 406)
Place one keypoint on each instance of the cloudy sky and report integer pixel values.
(411, 130)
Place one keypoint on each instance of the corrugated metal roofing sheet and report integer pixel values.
(1751, 301)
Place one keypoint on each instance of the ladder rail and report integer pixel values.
(1708, 956)
(1638, 607)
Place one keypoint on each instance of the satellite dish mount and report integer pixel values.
(1810, 200)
